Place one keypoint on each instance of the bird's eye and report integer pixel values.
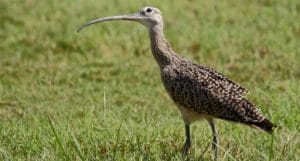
(148, 10)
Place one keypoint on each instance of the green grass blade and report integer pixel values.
(77, 147)
(118, 138)
(271, 148)
(58, 140)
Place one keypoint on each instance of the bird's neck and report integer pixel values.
(160, 47)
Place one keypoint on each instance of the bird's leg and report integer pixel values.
(187, 144)
(215, 140)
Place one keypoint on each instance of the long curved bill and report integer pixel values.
(132, 17)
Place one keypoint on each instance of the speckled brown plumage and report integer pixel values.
(198, 91)
(202, 89)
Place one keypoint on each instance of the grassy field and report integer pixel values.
(97, 95)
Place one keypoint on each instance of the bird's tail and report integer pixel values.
(265, 125)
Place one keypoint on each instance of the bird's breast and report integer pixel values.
(185, 91)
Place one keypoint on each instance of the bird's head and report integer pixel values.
(148, 16)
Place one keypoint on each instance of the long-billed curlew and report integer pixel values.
(198, 91)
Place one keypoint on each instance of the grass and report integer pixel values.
(97, 95)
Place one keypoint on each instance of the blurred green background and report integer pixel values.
(97, 95)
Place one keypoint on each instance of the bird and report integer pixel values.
(199, 92)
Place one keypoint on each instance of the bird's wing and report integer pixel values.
(227, 96)
(224, 81)
(208, 92)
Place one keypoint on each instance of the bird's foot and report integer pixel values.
(186, 148)
(215, 150)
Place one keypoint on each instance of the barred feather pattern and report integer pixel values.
(202, 89)
(208, 92)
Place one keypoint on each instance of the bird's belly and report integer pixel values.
(189, 115)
